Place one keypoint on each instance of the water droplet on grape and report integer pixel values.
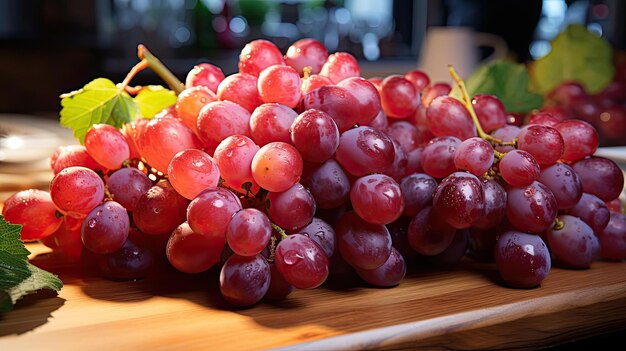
(292, 257)
(92, 223)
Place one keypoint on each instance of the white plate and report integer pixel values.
(26, 139)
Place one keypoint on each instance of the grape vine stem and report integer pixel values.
(159, 68)
(467, 101)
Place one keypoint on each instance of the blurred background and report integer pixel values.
(48, 47)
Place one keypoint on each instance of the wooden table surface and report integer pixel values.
(460, 308)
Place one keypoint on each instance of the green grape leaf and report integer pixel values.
(18, 277)
(100, 101)
(153, 99)
(576, 55)
(506, 80)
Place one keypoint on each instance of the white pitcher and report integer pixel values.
(459, 47)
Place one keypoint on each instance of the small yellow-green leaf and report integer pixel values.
(153, 99)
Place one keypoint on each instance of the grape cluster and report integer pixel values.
(296, 169)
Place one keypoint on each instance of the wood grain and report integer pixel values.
(462, 308)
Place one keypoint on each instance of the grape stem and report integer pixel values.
(467, 101)
(558, 224)
(283, 234)
(140, 66)
(159, 68)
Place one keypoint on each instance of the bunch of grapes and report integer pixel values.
(296, 169)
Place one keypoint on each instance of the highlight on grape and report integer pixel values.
(296, 170)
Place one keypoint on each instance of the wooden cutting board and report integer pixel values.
(461, 308)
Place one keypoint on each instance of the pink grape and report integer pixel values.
(76, 191)
(291, 209)
(448, 116)
(432, 91)
(313, 82)
(365, 150)
(191, 252)
(240, 88)
(419, 79)
(277, 166)
(399, 97)
(189, 103)
(518, 168)
(271, 122)
(105, 229)
(315, 134)
(258, 55)
(74, 155)
(234, 158)
(211, 211)
(474, 155)
(505, 134)
(191, 171)
(397, 169)
(339, 66)
(362, 244)
(523, 260)
(437, 158)
(306, 53)
(35, 211)
(404, 133)
(107, 145)
(281, 84)
(204, 74)
(546, 119)
(160, 210)
(490, 112)
(220, 119)
(531, 208)
(126, 185)
(580, 139)
(377, 198)
(544, 143)
(248, 232)
(244, 280)
(301, 262)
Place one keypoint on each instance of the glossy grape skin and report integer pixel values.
(574, 245)
(507, 134)
(306, 53)
(162, 138)
(35, 211)
(490, 112)
(495, 205)
(74, 155)
(429, 234)
(66, 237)
(210, 212)
(613, 238)
(189, 103)
(160, 210)
(301, 262)
(459, 200)
(105, 229)
(313, 82)
(362, 244)
(519, 168)
(564, 184)
(271, 122)
(419, 79)
(523, 260)
(75, 191)
(544, 118)
(437, 158)
(397, 169)
(600, 176)
(126, 185)
(389, 274)
(291, 209)
(367, 98)
(191, 252)
(221, 119)
(204, 74)
(130, 262)
(365, 150)
(417, 190)
(399, 99)
(280, 84)
(244, 280)
(315, 134)
(248, 232)
(377, 198)
(380, 122)
(107, 145)
(447, 116)
(277, 166)
(322, 234)
(414, 161)
(242, 89)
(432, 91)
(580, 139)
(339, 66)
(543, 142)
(191, 171)
(328, 183)
(474, 155)
(234, 158)
(258, 55)
(532, 208)
(593, 211)
(405, 134)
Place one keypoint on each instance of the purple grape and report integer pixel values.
(322, 234)
(593, 211)
(613, 238)
(564, 184)
(362, 244)
(531, 209)
(429, 234)
(301, 262)
(459, 200)
(600, 177)
(377, 198)
(574, 244)
(417, 190)
(389, 274)
(523, 260)
(495, 205)
(244, 280)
